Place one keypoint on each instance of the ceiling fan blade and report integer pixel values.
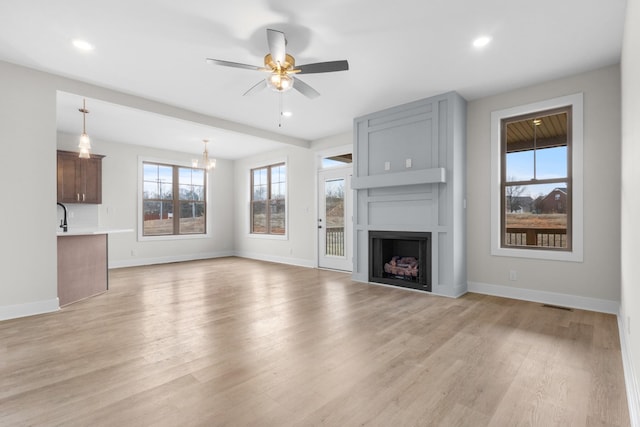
(305, 89)
(233, 64)
(256, 88)
(277, 45)
(323, 67)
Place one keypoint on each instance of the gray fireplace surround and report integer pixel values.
(409, 176)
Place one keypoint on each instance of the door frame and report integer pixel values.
(343, 149)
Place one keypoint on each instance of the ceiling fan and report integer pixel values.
(282, 68)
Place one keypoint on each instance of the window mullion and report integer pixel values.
(176, 201)
(268, 207)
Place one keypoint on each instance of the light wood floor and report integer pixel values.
(234, 342)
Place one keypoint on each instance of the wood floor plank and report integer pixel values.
(234, 342)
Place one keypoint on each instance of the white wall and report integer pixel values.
(28, 263)
(630, 225)
(119, 208)
(594, 283)
(299, 247)
(333, 141)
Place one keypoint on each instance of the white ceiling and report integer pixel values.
(398, 51)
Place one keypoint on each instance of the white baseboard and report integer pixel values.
(633, 392)
(29, 309)
(136, 262)
(281, 260)
(563, 300)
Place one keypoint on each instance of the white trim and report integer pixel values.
(577, 220)
(247, 213)
(140, 190)
(266, 236)
(300, 262)
(320, 155)
(167, 259)
(633, 391)
(29, 309)
(344, 263)
(533, 295)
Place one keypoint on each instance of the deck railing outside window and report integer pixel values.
(541, 237)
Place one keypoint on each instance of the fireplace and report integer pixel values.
(400, 258)
(409, 174)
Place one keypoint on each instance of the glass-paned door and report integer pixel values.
(334, 219)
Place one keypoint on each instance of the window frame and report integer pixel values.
(574, 172)
(268, 234)
(175, 165)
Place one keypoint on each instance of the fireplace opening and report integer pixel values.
(400, 258)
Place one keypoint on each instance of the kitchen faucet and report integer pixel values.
(63, 223)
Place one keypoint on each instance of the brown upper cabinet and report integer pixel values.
(79, 180)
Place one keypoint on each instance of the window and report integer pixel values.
(173, 200)
(536, 175)
(336, 161)
(536, 196)
(268, 196)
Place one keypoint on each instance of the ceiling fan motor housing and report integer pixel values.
(287, 65)
(279, 79)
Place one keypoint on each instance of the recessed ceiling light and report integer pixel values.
(287, 113)
(481, 41)
(82, 45)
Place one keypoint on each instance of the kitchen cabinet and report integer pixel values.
(79, 180)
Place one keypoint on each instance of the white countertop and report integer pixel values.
(84, 231)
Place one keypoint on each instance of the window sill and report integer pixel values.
(268, 236)
(571, 256)
(173, 237)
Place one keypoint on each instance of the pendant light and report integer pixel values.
(205, 162)
(85, 142)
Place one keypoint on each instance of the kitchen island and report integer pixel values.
(83, 266)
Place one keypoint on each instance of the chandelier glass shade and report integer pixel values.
(205, 162)
(85, 142)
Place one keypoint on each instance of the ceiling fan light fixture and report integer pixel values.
(280, 82)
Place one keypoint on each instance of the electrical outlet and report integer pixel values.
(133, 252)
(513, 275)
(387, 166)
(407, 163)
(71, 215)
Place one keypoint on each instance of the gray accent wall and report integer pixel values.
(409, 175)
